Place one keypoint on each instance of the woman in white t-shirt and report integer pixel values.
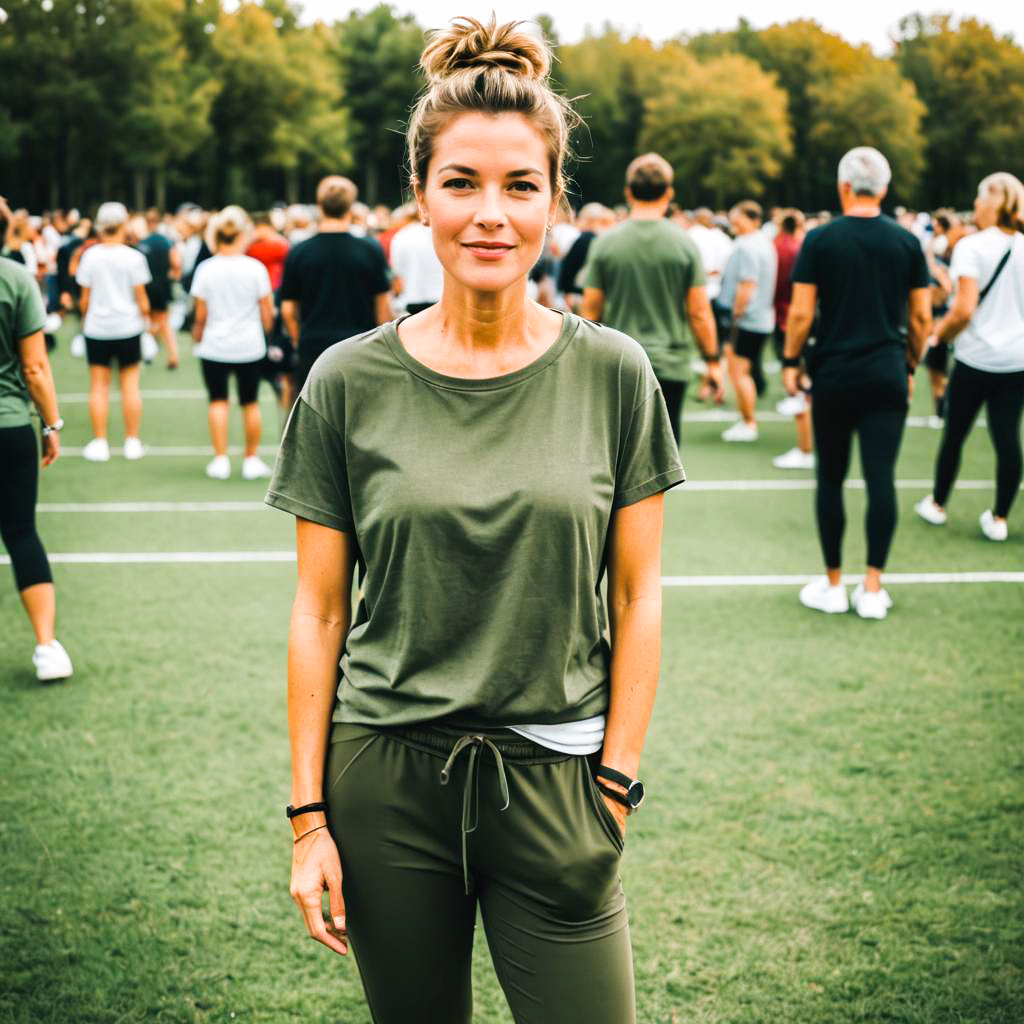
(987, 320)
(234, 310)
(113, 303)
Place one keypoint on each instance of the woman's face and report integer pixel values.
(986, 211)
(488, 199)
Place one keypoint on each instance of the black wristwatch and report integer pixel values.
(635, 792)
(56, 428)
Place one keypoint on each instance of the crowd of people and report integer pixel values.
(509, 393)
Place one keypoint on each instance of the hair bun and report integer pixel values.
(468, 44)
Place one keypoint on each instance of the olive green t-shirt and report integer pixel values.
(481, 512)
(645, 269)
(21, 314)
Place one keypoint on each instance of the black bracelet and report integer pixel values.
(615, 795)
(713, 358)
(790, 362)
(309, 833)
(294, 812)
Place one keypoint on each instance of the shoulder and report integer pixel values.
(608, 351)
(348, 363)
(14, 275)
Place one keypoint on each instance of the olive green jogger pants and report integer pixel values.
(430, 824)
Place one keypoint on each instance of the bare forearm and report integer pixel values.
(314, 647)
(951, 325)
(290, 316)
(636, 658)
(744, 295)
(41, 389)
(918, 329)
(798, 327)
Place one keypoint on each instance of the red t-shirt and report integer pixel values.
(786, 248)
(271, 252)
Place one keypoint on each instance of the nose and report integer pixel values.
(489, 213)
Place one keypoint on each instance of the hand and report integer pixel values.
(619, 812)
(315, 867)
(717, 378)
(931, 341)
(791, 379)
(910, 388)
(51, 448)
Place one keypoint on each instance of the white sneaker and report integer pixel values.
(990, 527)
(930, 512)
(792, 405)
(97, 450)
(219, 467)
(133, 448)
(936, 422)
(51, 662)
(820, 595)
(870, 605)
(254, 468)
(740, 431)
(794, 459)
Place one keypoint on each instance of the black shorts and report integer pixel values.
(101, 351)
(247, 379)
(937, 358)
(748, 345)
(159, 295)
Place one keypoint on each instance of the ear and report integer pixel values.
(629, 196)
(421, 202)
(671, 194)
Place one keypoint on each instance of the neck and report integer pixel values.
(471, 320)
(862, 206)
(648, 211)
(335, 224)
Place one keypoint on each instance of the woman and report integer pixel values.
(25, 377)
(483, 461)
(987, 321)
(114, 306)
(234, 309)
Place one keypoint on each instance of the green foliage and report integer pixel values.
(722, 124)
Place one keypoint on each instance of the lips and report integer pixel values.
(486, 250)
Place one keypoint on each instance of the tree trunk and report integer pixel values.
(139, 183)
(291, 185)
(160, 186)
(371, 183)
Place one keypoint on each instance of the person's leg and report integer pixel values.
(880, 432)
(162, 329)
(964, 397)
(742, 382)
(99, 398)
(247, 380)
(215, 377)
(551, 899)
(804, 436)
(19, 483)
(833, 431)
(408, 917)
(1004, 410)
(674, 392)
(131, 400)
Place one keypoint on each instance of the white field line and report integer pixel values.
(235, 557)
(259, 506)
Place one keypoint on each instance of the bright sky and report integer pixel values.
(869, 21)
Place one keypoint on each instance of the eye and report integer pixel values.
(458, 184)
(524, 186)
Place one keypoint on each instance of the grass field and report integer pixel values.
(834, 831)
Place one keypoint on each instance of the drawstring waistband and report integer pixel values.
(471, 788)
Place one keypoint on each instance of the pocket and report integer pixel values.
(604, 814)
(348, 744)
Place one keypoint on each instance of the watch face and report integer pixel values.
(636, 794)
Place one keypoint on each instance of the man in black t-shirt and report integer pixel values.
(334, 285)
(871, 280)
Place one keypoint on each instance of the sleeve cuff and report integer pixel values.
(299, 508)
(656, 484)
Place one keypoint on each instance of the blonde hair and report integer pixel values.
(1009, 193)
(225, 227)
(473, 67)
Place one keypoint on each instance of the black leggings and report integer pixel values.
(877, 413)
(1002, 394)
(19, 484)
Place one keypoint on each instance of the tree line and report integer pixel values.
(161, 101)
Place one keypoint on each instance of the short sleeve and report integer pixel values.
(649, 456)
(199, 289)
(140, 269)
(262, 277)
(310, 477)
(806, 270)
(965, 262)
(289, 289)
(29, 316)
(698, 278)
(83, 276)
(381, 272)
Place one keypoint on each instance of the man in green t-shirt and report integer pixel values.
(645, 278)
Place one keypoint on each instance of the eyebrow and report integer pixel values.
(523, 172)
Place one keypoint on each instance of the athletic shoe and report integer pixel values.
(990, 527)
(219, 467)
(820, 595)
(792, 405)
(97, 450)
(51, 662)
(77, 346)
(740, 431)
(870, 605)
(254, 468)
(936, 422)
(930, 512)
(794, 459)
(133, 448)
